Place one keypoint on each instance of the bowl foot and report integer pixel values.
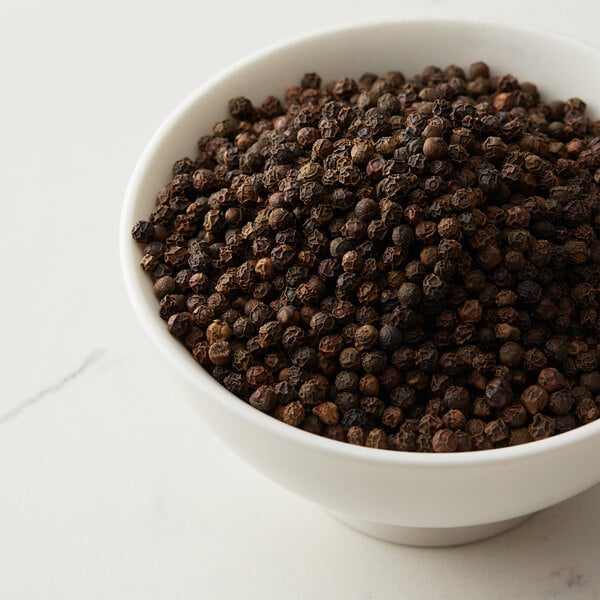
(429, 536)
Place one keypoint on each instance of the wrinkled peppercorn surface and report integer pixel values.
(408, 264)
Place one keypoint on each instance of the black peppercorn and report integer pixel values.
(428, 244)
(541, 427)
(499, 392)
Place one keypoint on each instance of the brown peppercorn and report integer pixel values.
(219, 352)
(511, 354)
(541, 427)
(352, 262)
(591, 381)
(258, 375)
(534, 360)
(270, 334)
(180, 324)
(356, 435)
(241, 108)
(444, 440)
(149, 263)
(477, 380)
(514, 416)
(362, 151)
(494, 148)
(288, 315)
(499, 392)
(163, 286)
(264, 268)
(587, 411)
(551, 379)
(143, 232)
(368, 293)
(373, 361)
(368, 385)
(376, 438)
(346, 381)
(470, 311)
(327, 412)
(409, 294)
(577, 252)
(365, 337)
(434, 288)
(331, 345)
(490, 256)
(586, 361)
(312, 392)
(418, 380)
(323, 323)
(450, 249)
(218, 330)
(293, 413)
(349, 358)
(372, 406)
(389, 378)
(496, 431)
(423, 443)
(474, 427)
(194, 336)
(506, 331)
(426, 232)
(312, 424)
(392, 416)
(456, 397)
(534, 399)
(200, 353)
(449, 228)
(263, 398)
(454, 419)
(435, 148)
(514, 261)
(450, 363)
(561, 402)
(439, 383)
(519, 436)
(479, 69)
(429, 256)
(564, 423)
(481, 407)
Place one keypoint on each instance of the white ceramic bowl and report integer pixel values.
(421, 499)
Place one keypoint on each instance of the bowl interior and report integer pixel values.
(560, 67)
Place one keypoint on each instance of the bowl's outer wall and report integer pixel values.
(427, 494)
(388, 487)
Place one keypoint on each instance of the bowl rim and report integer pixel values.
(195, 374)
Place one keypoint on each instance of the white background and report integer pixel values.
(110, 486)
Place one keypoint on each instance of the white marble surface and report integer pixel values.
(110, 486)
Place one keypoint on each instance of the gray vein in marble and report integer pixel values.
(567, 582)
(32, 400)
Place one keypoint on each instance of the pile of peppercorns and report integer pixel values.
(411, 264)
